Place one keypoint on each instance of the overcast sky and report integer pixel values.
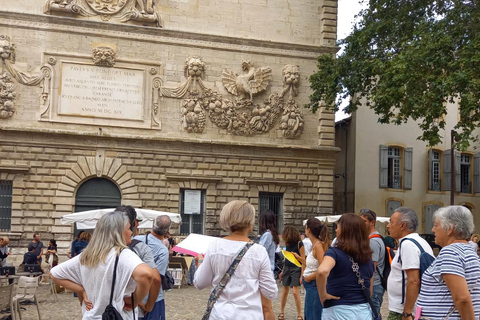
(347, 9)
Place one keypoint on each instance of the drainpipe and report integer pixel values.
(345, 172)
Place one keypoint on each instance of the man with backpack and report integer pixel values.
(145, 254)
(378, 256)
(413, 257)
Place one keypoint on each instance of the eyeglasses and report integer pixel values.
(372, 214)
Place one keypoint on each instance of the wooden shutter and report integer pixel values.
(429, 211)
(392, 205)
(458, 178)
(476, 172)
(447, 169)
(383, 166)
(430, 169)
(408, 169)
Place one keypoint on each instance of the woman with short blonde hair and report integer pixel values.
(90, 274)
(241, 296)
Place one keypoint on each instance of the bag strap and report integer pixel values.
(221, 285)
(361, 281)
(400, 261)
(114, 277)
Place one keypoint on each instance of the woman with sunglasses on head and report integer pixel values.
(345, 265)
(90, 274)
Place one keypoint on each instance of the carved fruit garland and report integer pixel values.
(7, 96)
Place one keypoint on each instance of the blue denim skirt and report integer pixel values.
(313, 306)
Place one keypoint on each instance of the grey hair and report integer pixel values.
(409, 216)
(107, 234)
(161, 225)
(458, 218)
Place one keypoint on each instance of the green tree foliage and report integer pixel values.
(406, 59)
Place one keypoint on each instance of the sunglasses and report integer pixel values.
(370, 212)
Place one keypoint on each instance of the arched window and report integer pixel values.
(97, 193)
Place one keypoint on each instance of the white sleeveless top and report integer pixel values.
(312, 265)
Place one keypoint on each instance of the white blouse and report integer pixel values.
(240, 300)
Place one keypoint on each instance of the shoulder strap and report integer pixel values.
(133, 243)
(400, 246)
(375, 235)
(146, 238)
(114, 277)
(221, 285)
(361, 282)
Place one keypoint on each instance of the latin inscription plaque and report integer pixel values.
(91, 91)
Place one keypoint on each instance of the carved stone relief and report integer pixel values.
(7, 89)
(104, 56)
(119, 10)
(246, 85)
(240, 116)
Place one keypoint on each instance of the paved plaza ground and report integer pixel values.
(186, 303)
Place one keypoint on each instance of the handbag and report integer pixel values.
(110, 312)
(221, 285)
(167, 281)
(365, 290)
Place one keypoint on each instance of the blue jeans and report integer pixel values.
(158, 311)
(377, 296)
(313, 307)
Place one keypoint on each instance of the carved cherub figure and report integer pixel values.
(246, 85)
(7, 50)
(104, 56)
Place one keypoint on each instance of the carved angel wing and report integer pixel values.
(261, 79)
(229, 79)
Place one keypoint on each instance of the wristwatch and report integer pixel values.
(406, 315)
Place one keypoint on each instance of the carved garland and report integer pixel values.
(8, 73)
(241, 116)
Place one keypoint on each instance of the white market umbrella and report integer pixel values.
(335, 218)
(88, 219)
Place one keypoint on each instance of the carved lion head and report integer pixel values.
(291, 75)
(104, 56)
(194, 67)
(7, 48)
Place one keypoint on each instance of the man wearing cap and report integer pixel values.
(145, 254)
(378, 256)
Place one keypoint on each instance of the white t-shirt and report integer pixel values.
(240, 300)
(473, 245)
(307, 245)
(410, 260)
(97, 281)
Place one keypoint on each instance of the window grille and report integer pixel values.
(192, 223)
(6, 188)
(272, 201)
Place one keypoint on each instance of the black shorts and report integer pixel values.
(291, 276)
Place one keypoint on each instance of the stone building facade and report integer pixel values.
(150, 99)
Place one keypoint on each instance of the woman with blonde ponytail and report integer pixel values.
(90, 274)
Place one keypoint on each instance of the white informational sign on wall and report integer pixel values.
(192, 202)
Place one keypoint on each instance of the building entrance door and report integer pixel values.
(97, 193)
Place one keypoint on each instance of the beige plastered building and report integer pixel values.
(384, 166)
(109, 102)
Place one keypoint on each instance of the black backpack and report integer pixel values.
(167, 280)
(389, 255)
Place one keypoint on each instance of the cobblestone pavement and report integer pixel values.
(186, 303)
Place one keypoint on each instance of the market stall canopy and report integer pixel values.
(89, 219)
(335, 218)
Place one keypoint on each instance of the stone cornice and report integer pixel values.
(14, 169)
(174, 146)
(174, 177)
(157, 35)
(285, 183)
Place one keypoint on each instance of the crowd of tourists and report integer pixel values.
(121, 272)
